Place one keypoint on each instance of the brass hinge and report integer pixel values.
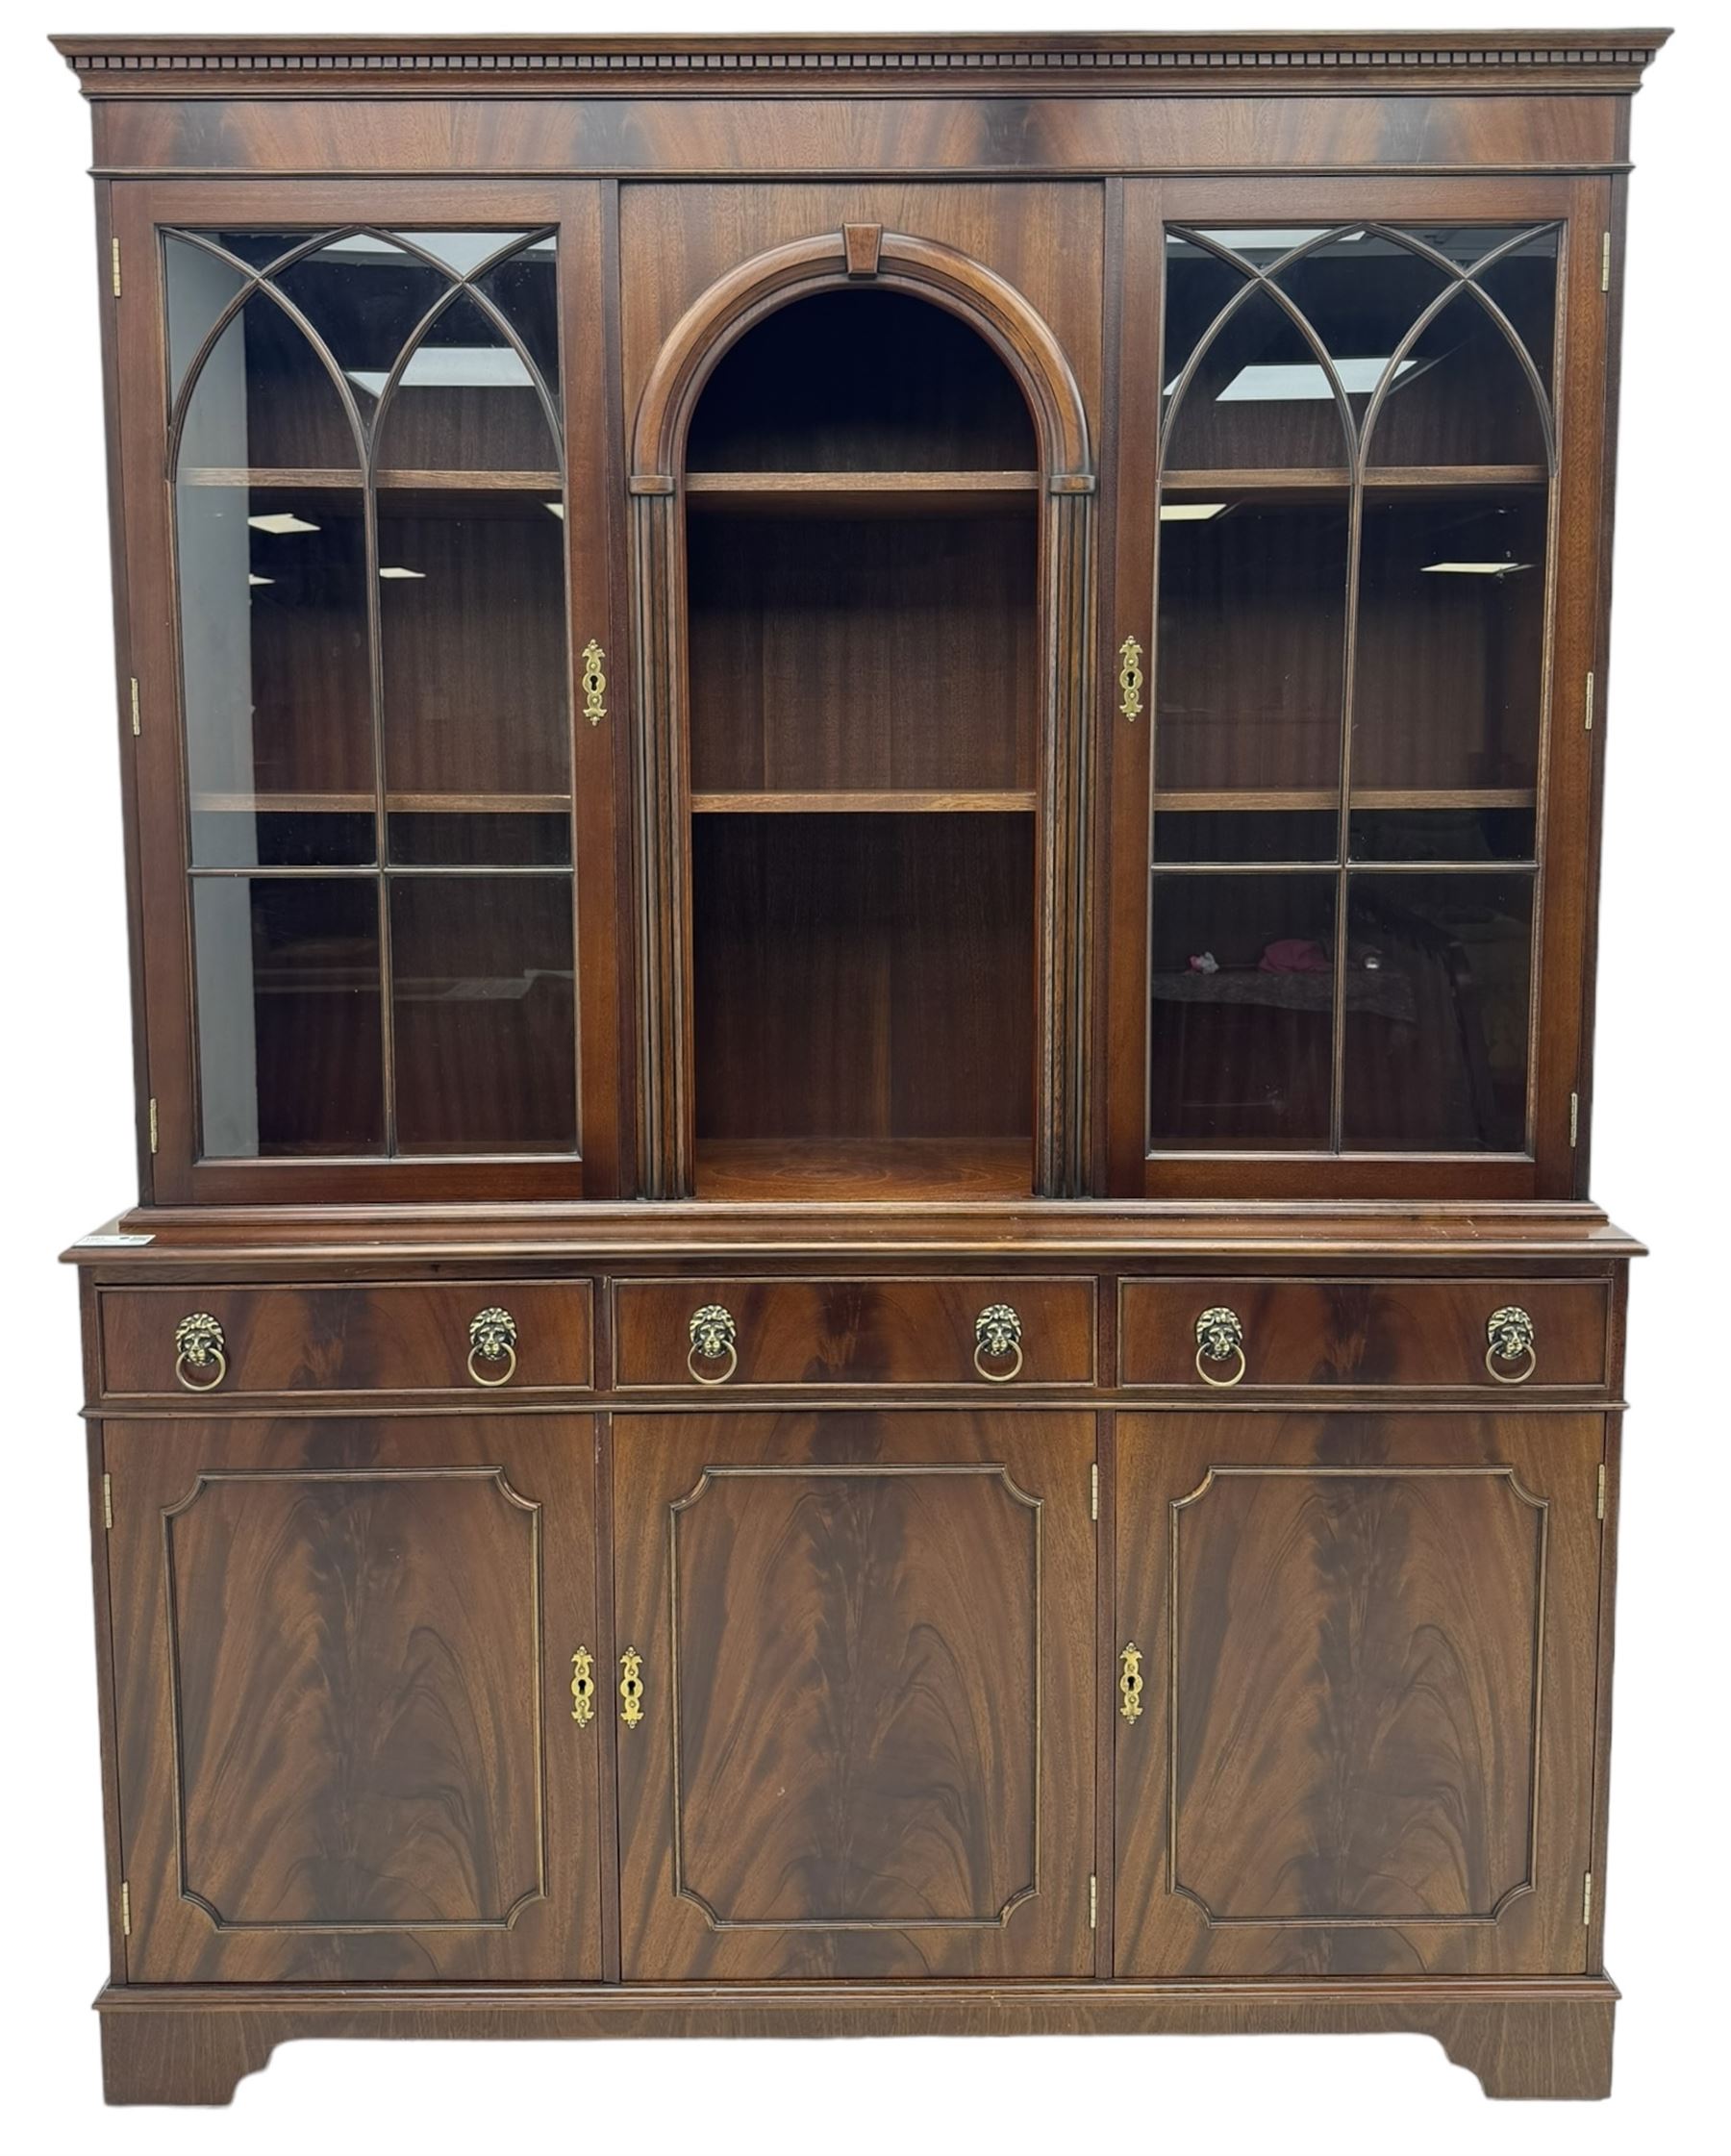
(1587, 716)
(1586, 1899)
(1093, 1901)
(108, 1500)
(1574, 1119)
(1605, 264)
(153, 1124)
(135, 705)
(1094, 1490)
(1602, 1490)
(125, 1910)
(115, 265)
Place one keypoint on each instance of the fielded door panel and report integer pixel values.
(1367, 1650)
(343, 1660)
(856, 1735)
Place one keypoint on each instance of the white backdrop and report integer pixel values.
(1659, 1148)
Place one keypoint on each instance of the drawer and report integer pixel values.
(852, 1332)
(1362, 1332)
(412, 1338)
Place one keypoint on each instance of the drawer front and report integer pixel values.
(413, 1338)
(853, 1332)
(1362, 1332)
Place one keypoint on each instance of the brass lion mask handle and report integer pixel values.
(199, 1347)
(492, 1339)
(997, 1335)
(714, 1339)
(1509, 1338)
(1220, 1339)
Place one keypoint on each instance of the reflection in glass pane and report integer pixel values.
(446, 838)
(288, 1045)
(1465, 245)
(276, 678)
(1440, 834)
(1523, 284)
(1438, 989)
(484, 1001)
(465, 402)
(1362, 293)
(263, 399)
(1252, 630)
(462, 252)
(198, 285)
(1464, 399)
(525, 289)
(1452, 634)
(471, 617)
(1240, 1012)
(365, 298)
(261, 248)
(1198, 284)
(1246, 834)
(1260, 396)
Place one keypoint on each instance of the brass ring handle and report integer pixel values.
(1220, 1339)
(998, 1333)
(713, 1334)
(199, 1345)
(1509, 1332)
(492, 1339)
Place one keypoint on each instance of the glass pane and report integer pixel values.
(263, 399)
(199, 285)
(1362, 293)
(1198, 284)
(1260, 398)
(261, 248)
(1525, 286)
(443, 837)
(1242, 1011)
(525, 289)
(462, 252)
(1246, 834)
(277, 682)
(485, 1000)
(1252, 632)
(1451, 637)
(365, 298)
(289, 1048)
(1463, 399)
(472, 621)
(1440, 834)
(465, 402)
(1438, 988)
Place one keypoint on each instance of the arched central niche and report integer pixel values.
(876, 762)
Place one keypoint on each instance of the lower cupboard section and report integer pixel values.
(1367, 1651)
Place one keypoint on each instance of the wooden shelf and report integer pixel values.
(1395, 479)
(1327, 798)
(878, 801)
(396, 804)
(425, 482)
(840, 1170)
(862, 493)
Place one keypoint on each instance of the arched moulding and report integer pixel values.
(925, 268)
(1462, 418)
(1261, 318)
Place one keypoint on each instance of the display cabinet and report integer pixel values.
(861, 791)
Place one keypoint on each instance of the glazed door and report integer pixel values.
(1350, 747)
(1367, 1650)
(370, 635)
(859, 1654)
(344, 1664)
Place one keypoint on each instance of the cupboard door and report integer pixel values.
(343, 1657)
(860, 1654)
(1364, 1744)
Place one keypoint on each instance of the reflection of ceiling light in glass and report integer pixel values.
(558, 508)
(1305, 382)
(452, 367)
(261, 578)
(1188, 512)
(1473, 568)
(419, 575)
(281, 521)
